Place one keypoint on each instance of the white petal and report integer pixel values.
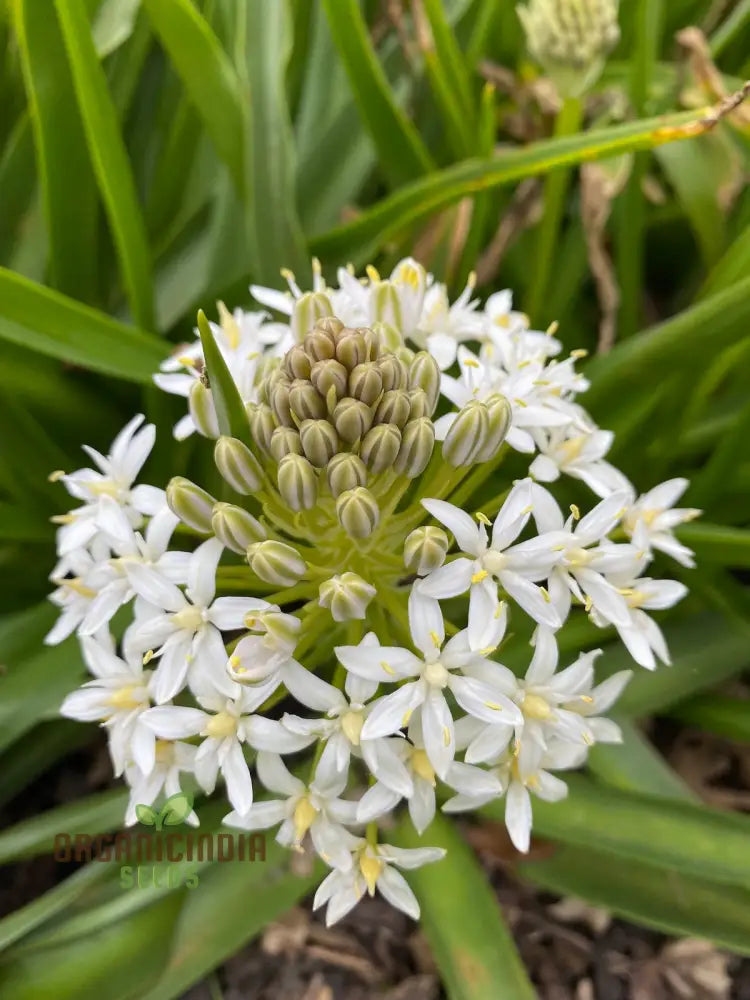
(152, 587)
(450, 580)
(518, 815)
(273, 773)
(529, 597)
(201, 585)
(175, 722)
(425, 622)
(464, 528)
(228, 613)
(260, 816)
(379, 663)
(437, 728)
(377, 801)
(394, 888)
(311, 690)
(484, 702)
(237, 777)
(392, 712)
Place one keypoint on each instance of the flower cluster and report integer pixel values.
(294, 634)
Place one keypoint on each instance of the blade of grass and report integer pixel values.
(733, 266)
(715, 713)
(67, 182)
(207, 75)
(732, 25)
(109, 159)
(45, 321)
(635, 766)
(718, 543)
(401, 152)
(229, 407)
(358, 239)
(17, 182)
(470, 941)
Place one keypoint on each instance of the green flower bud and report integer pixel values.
(358, 512)
(332, 326)
(500, 417)
(297, 482)
(365, 383)
(388, 335)
(285, 441)
(279, 399)
(296, 363)
(346, 596)
(380, 446)
(191, 504)
(425, 550)
(308, 309)
(237, 465)
(319, 344)
(262, 424)
(417, 442)
(353, 348)
(424, 373)
(276, 562)
(352, 419)
(330, 374)
(467, 435)
(320, 442)
(393, 372)
(393, 408)
(235, 527)
(419, 404)
(345, 472)
(202, 410)
(305, 402)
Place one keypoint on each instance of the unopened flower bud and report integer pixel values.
(285, 441)
(424, 373)
(235, 527)
(308, 309)
(358, 512)
(346, 596)
(328, 374)
(393, 372)
(380, 446)
(202, 410)
(297, 482)
(365, 383)
(417, 443)
(319, 345)
(191, 504)
(352, 419)
(467, 435)
(276, 562)
(419, 404)
(500, 416)
(282, 630)
(305, 402)
(345, 472)
(388, 335)
(332, 326)
(320, 442)
(296, 363)
(237, 465)
(279, 399)
(425, 549)
(393, 408)
(262, 424)
(352, 349)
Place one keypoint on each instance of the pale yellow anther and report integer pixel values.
(487, 651)
(494, 706)
(221, 725)
(470, 363)
(186, 361)
(588, 739)
(388, 668)
(545, 594)
(56, 476)
(521, 402)
(579, 353)
(552, 328)
(523, 364)
(286, 274)
(528, 509)
(482, 518)
(62, 519)
(575, 512)
(587, 699)
(148, 657)
(480, 575)
(304, 817)
(446, 736)
(251, 621)
(407, 717)
(435, 639)
(234, 662)
(471, 281)
(588, 604)
(372, 273)
(78, 587)
(316, 266)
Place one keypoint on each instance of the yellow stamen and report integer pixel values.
(371, 869)
(55, 476)
(304, 816)
(575, 512)
(480, 575)
(388, 668)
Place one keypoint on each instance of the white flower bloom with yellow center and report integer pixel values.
(654, 517)
(163, 780)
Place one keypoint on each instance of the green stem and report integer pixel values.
(567, 123)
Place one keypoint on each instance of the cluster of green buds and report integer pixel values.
(341, 416)
(571, 39)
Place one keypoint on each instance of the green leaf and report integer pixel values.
(146, 815)
(401, 152)
(232, 903)
(635, 766)
(114, 24)
(208, 77)
(275, 234)
(732, 267)
(67, 182)
(98, 813)
(715, 713)
(413, 202)
(45, 321)
(229, 407)
(109, 159)
(650, 895)
(469, 939)
(687, 838)
(176, 809)
(17, 182)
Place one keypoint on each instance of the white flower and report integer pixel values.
(443, 326)
(433, 672)
(172, 759)
(114, 477)
(370, 868)
(493, 560)
(315, 809)
(75, 594)
(653, 517)
(640, 633)
(118, 698)
(579, 455)
(186, 627)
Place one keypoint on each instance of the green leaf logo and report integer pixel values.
(146, 815)
(176, 809)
